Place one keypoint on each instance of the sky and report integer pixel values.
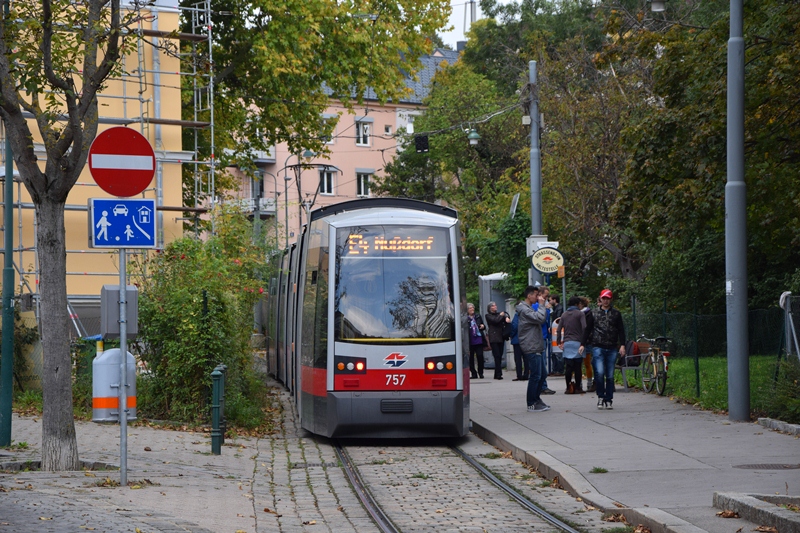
(457, 17)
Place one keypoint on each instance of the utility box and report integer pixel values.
(105, 386)
(109, 311)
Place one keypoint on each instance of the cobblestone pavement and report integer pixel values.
(286, 482)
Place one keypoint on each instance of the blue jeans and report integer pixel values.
(535, 363)
(603, 361)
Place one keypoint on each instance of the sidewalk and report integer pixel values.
(664, 460)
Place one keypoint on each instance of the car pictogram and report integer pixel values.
(120, 209)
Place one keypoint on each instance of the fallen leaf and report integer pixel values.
(89, 474)
(146, 448)
(641, 528)
(45, 518)
(616, 518)
(440, 511)
(310, 523)
(740, 529)
(767, 529)
(727, 513)
(619, 505)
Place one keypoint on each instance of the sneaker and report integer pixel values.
(601, 404)
(609, 404)
(548, 391)
(539, 407)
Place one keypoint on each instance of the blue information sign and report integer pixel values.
(122, 223)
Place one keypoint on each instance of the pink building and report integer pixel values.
(361, 145)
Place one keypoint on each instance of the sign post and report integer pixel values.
(122, 163)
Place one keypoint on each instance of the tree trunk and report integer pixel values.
(59, 443)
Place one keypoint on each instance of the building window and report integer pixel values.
(324, 126)
(362, 133)
(325, 182)
(387, 129)
(362, 184)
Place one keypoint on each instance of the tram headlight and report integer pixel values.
(443, 364)
(349, 365)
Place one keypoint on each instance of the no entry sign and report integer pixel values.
(122, 162)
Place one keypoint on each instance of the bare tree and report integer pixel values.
(55, 55)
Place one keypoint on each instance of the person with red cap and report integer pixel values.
(607, 338)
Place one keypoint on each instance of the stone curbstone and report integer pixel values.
(771, 423)
(762, 509)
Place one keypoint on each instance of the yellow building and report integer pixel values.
(146, 97)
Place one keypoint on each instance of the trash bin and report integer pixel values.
(105, 386)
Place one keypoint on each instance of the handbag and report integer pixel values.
(508, 330)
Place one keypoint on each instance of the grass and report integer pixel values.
(420, 475)
(682, 382)
(598, 470)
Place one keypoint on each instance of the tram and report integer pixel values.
(367, 321)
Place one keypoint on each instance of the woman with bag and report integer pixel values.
(497, 321)
(476, 341)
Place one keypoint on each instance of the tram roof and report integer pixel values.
(372, 203)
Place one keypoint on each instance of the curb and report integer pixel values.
(771, 423)
(578, 486)
(762, 509)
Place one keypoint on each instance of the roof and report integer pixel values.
(421, 86)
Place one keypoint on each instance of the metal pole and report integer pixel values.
(286, 198)
(7, 358)
(736, 227)
(536, 163)
(123, 372)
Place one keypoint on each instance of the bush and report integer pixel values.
(195, 311)
(784, 404)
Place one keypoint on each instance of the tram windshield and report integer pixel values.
(394, 284)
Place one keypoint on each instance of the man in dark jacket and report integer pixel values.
(496, 320)
(607, 337)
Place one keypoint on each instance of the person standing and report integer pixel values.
(608, 340)
(570, 338)
(586, 349)
(476, 332)
(558, 309)
(544, 292)
(496, 321)
(519, 358)
(532, 345)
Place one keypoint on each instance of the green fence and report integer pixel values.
(705, 335)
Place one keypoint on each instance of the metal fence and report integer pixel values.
(705, 335)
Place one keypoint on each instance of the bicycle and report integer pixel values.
(655, 364)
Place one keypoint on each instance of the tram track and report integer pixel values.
(451, 489)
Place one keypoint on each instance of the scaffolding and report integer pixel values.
(137, 94)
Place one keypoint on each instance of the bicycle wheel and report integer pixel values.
(648, 377)
(661, 375)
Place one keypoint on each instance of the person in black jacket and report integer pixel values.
(495, 321)
(607, 337)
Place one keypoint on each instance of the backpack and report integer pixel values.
(508, 330)
(632, 356)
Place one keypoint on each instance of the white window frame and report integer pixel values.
(363, 133)
(362, 179)
(332, 137)
(327, 180)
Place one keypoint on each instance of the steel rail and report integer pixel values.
(513, 493)
(367, 500)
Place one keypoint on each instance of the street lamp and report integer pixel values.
(473, 137)
(274, 199)
(658, 6)
(286, 198)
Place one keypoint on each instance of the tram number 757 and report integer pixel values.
(395, 379)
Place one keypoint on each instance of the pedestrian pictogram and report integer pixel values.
(117, 223)
(122, 161)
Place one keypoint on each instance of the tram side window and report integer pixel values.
(315, 300)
